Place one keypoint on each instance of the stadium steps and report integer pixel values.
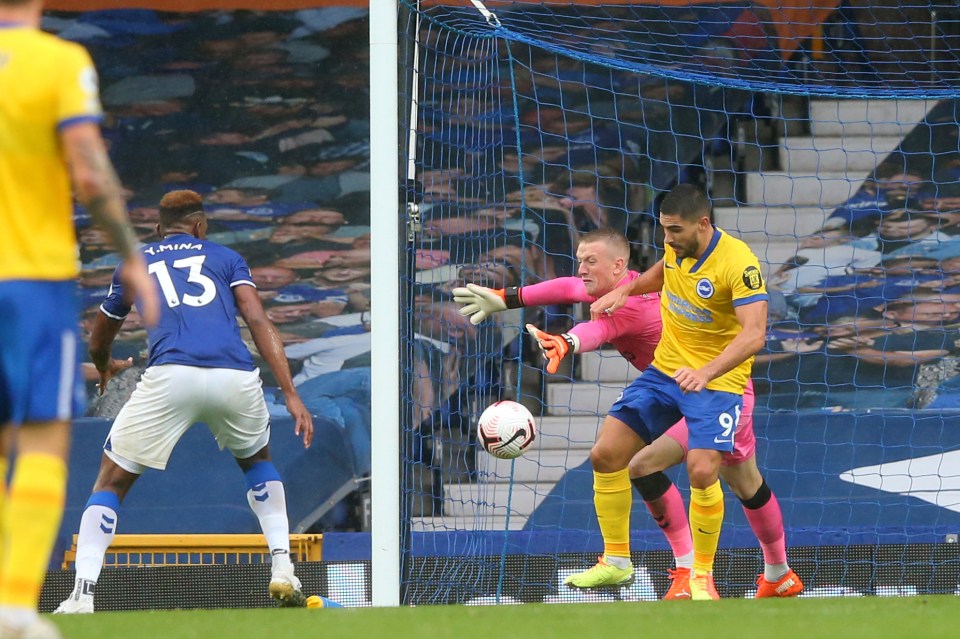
(565, 432)
(846, 153)
(822, 188)
(562, 443)
(848, 139)
(764, 222)
(820, 172)
(866, 117)
(490, 499)
(605, 365)
(773, 255)
(534, 467)
(581, 399)
(773, 233)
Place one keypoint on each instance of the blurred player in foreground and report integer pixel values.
(199, 370)
(635, 332)
(49, 137)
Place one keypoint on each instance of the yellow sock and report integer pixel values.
(612, 499)
(706, 519)
(31, 520)
(4, 468)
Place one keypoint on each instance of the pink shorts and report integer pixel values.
(744, 441)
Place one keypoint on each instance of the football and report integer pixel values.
(506, 429)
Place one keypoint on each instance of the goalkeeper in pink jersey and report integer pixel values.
(635, 331)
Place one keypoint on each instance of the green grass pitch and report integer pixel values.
(846, 618)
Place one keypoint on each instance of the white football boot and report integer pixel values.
(285, 588)
(80, 601)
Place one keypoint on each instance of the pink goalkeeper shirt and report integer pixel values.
(634, 330)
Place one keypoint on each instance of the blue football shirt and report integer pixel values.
(198, 319)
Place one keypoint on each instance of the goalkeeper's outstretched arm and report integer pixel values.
(554, 347)
(479, 302)
(584, 337)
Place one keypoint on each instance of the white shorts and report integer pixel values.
(170, 398)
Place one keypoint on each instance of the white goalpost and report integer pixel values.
(385, 303)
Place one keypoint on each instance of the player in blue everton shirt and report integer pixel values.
(198, 369)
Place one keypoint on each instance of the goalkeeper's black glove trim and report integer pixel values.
(512, 297)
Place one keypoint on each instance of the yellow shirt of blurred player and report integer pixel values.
(697, 305)
(45, 84)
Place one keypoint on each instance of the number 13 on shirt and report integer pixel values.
(194, 263)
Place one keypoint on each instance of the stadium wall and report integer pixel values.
(835, 571)
(841, 478)
(203, 490)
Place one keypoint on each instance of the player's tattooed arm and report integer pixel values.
(98, 189)
(97, 185)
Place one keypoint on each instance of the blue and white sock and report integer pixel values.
(98, 526)
(268, 502)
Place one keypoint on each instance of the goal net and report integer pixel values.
(827, 139)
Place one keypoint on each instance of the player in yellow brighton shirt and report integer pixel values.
(714, 312)
(49, 136)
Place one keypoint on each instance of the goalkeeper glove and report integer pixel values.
(480, 302)
(554, 347)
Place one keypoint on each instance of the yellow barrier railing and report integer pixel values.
(192, 550)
